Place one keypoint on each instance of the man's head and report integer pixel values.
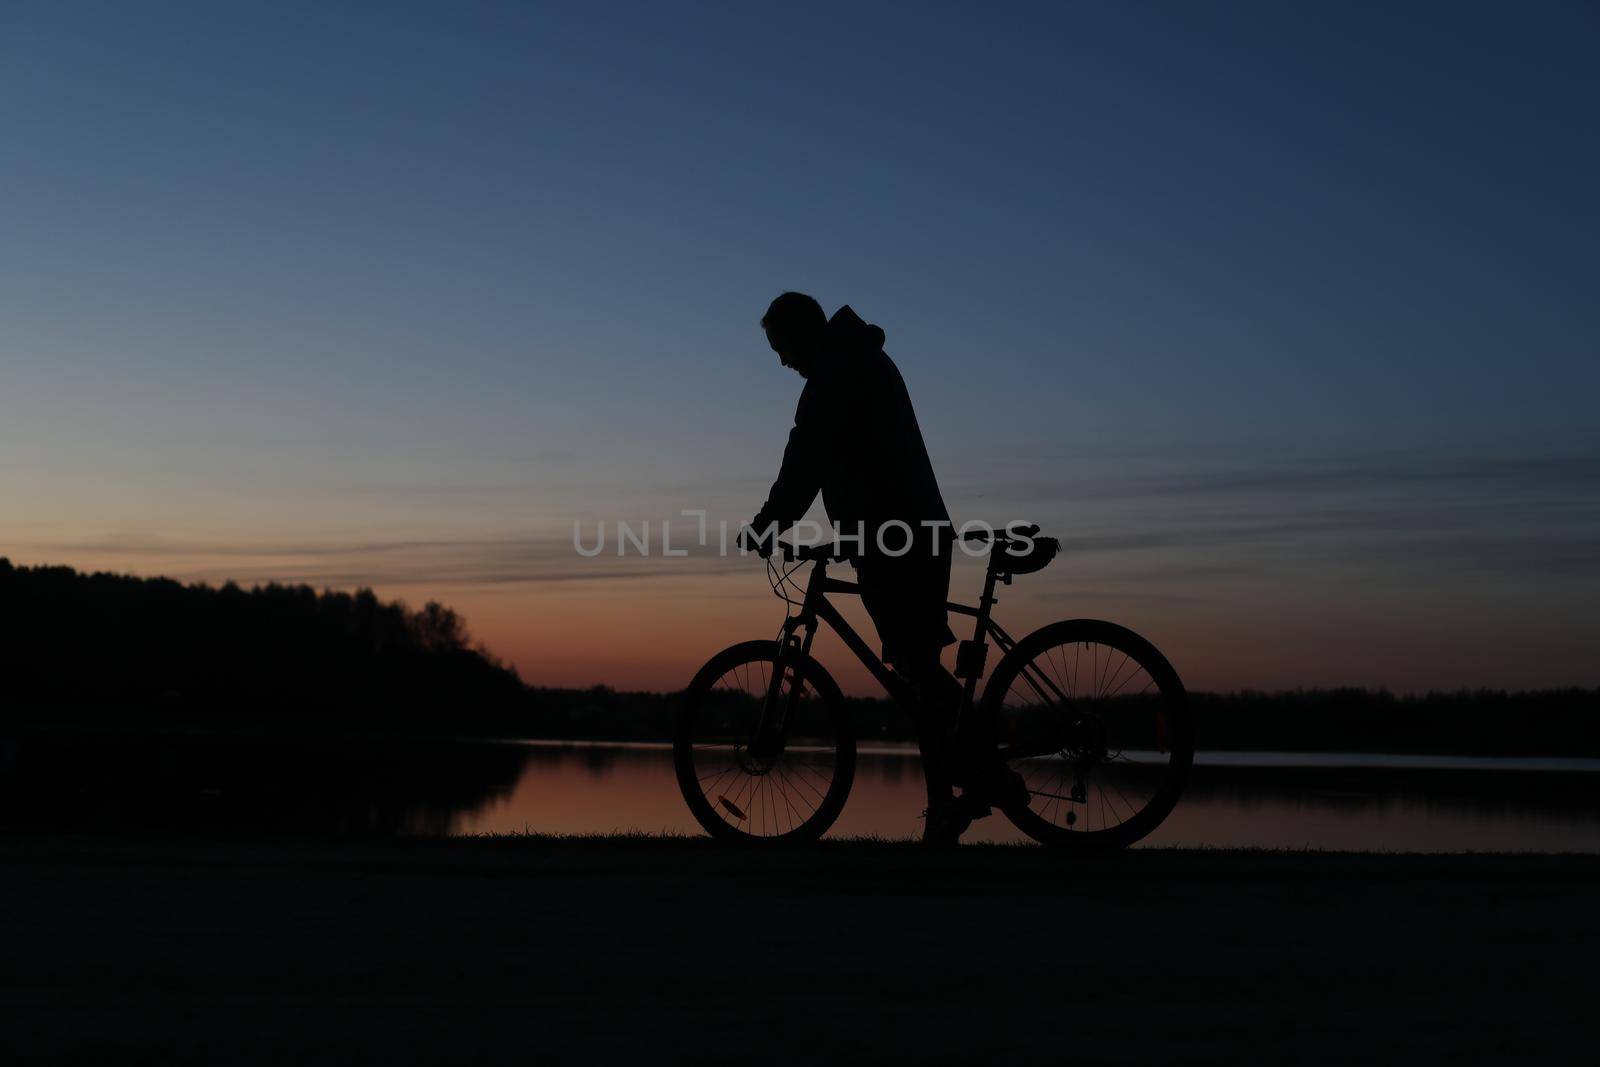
(797, 331)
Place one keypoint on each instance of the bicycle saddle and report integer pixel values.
(1016, 560)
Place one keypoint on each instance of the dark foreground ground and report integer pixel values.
(215, 950)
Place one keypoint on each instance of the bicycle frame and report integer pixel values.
(816, 608)
(1059, 729)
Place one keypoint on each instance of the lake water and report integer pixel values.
(1259, 800)
(357, 784)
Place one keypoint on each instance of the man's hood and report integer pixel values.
(850, 333)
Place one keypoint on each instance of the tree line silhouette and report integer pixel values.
(127, 645)
(139, 650)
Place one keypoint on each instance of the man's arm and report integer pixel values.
(800, 477)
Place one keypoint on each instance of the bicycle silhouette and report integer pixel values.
(1089, 713)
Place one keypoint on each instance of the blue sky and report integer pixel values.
(1280, 314)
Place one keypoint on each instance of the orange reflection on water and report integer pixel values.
(606, 788)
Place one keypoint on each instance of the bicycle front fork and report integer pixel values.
(783, 694)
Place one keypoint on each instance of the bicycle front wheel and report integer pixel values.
(742, 787)
(1096, 722)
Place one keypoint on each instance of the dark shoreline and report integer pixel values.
(206, 948)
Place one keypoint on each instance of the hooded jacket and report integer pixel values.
(856, 440)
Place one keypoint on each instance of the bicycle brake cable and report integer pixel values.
(778, 578)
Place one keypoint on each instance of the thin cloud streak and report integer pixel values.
(1576, 476)
(1248, 521)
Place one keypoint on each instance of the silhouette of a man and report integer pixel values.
(856, 440)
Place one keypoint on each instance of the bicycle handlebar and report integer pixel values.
(810, 553)
(825, 551)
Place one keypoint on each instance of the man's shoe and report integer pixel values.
(945, 822)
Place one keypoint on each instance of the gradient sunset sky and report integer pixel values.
(1282, 316)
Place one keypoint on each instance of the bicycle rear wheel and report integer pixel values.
(1096, 722)
(745, 791)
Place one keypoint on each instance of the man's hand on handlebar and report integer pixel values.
(751, 541)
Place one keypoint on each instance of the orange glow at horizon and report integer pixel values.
(654, 631)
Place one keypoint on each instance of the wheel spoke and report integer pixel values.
(1106, 713)
(773, 796)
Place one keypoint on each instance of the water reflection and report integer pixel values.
(319, 784)
(1345, 805)
(433, 786)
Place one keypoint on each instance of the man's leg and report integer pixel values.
(937, 698)
(969, 757)
(906, 598)
(974, 751)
